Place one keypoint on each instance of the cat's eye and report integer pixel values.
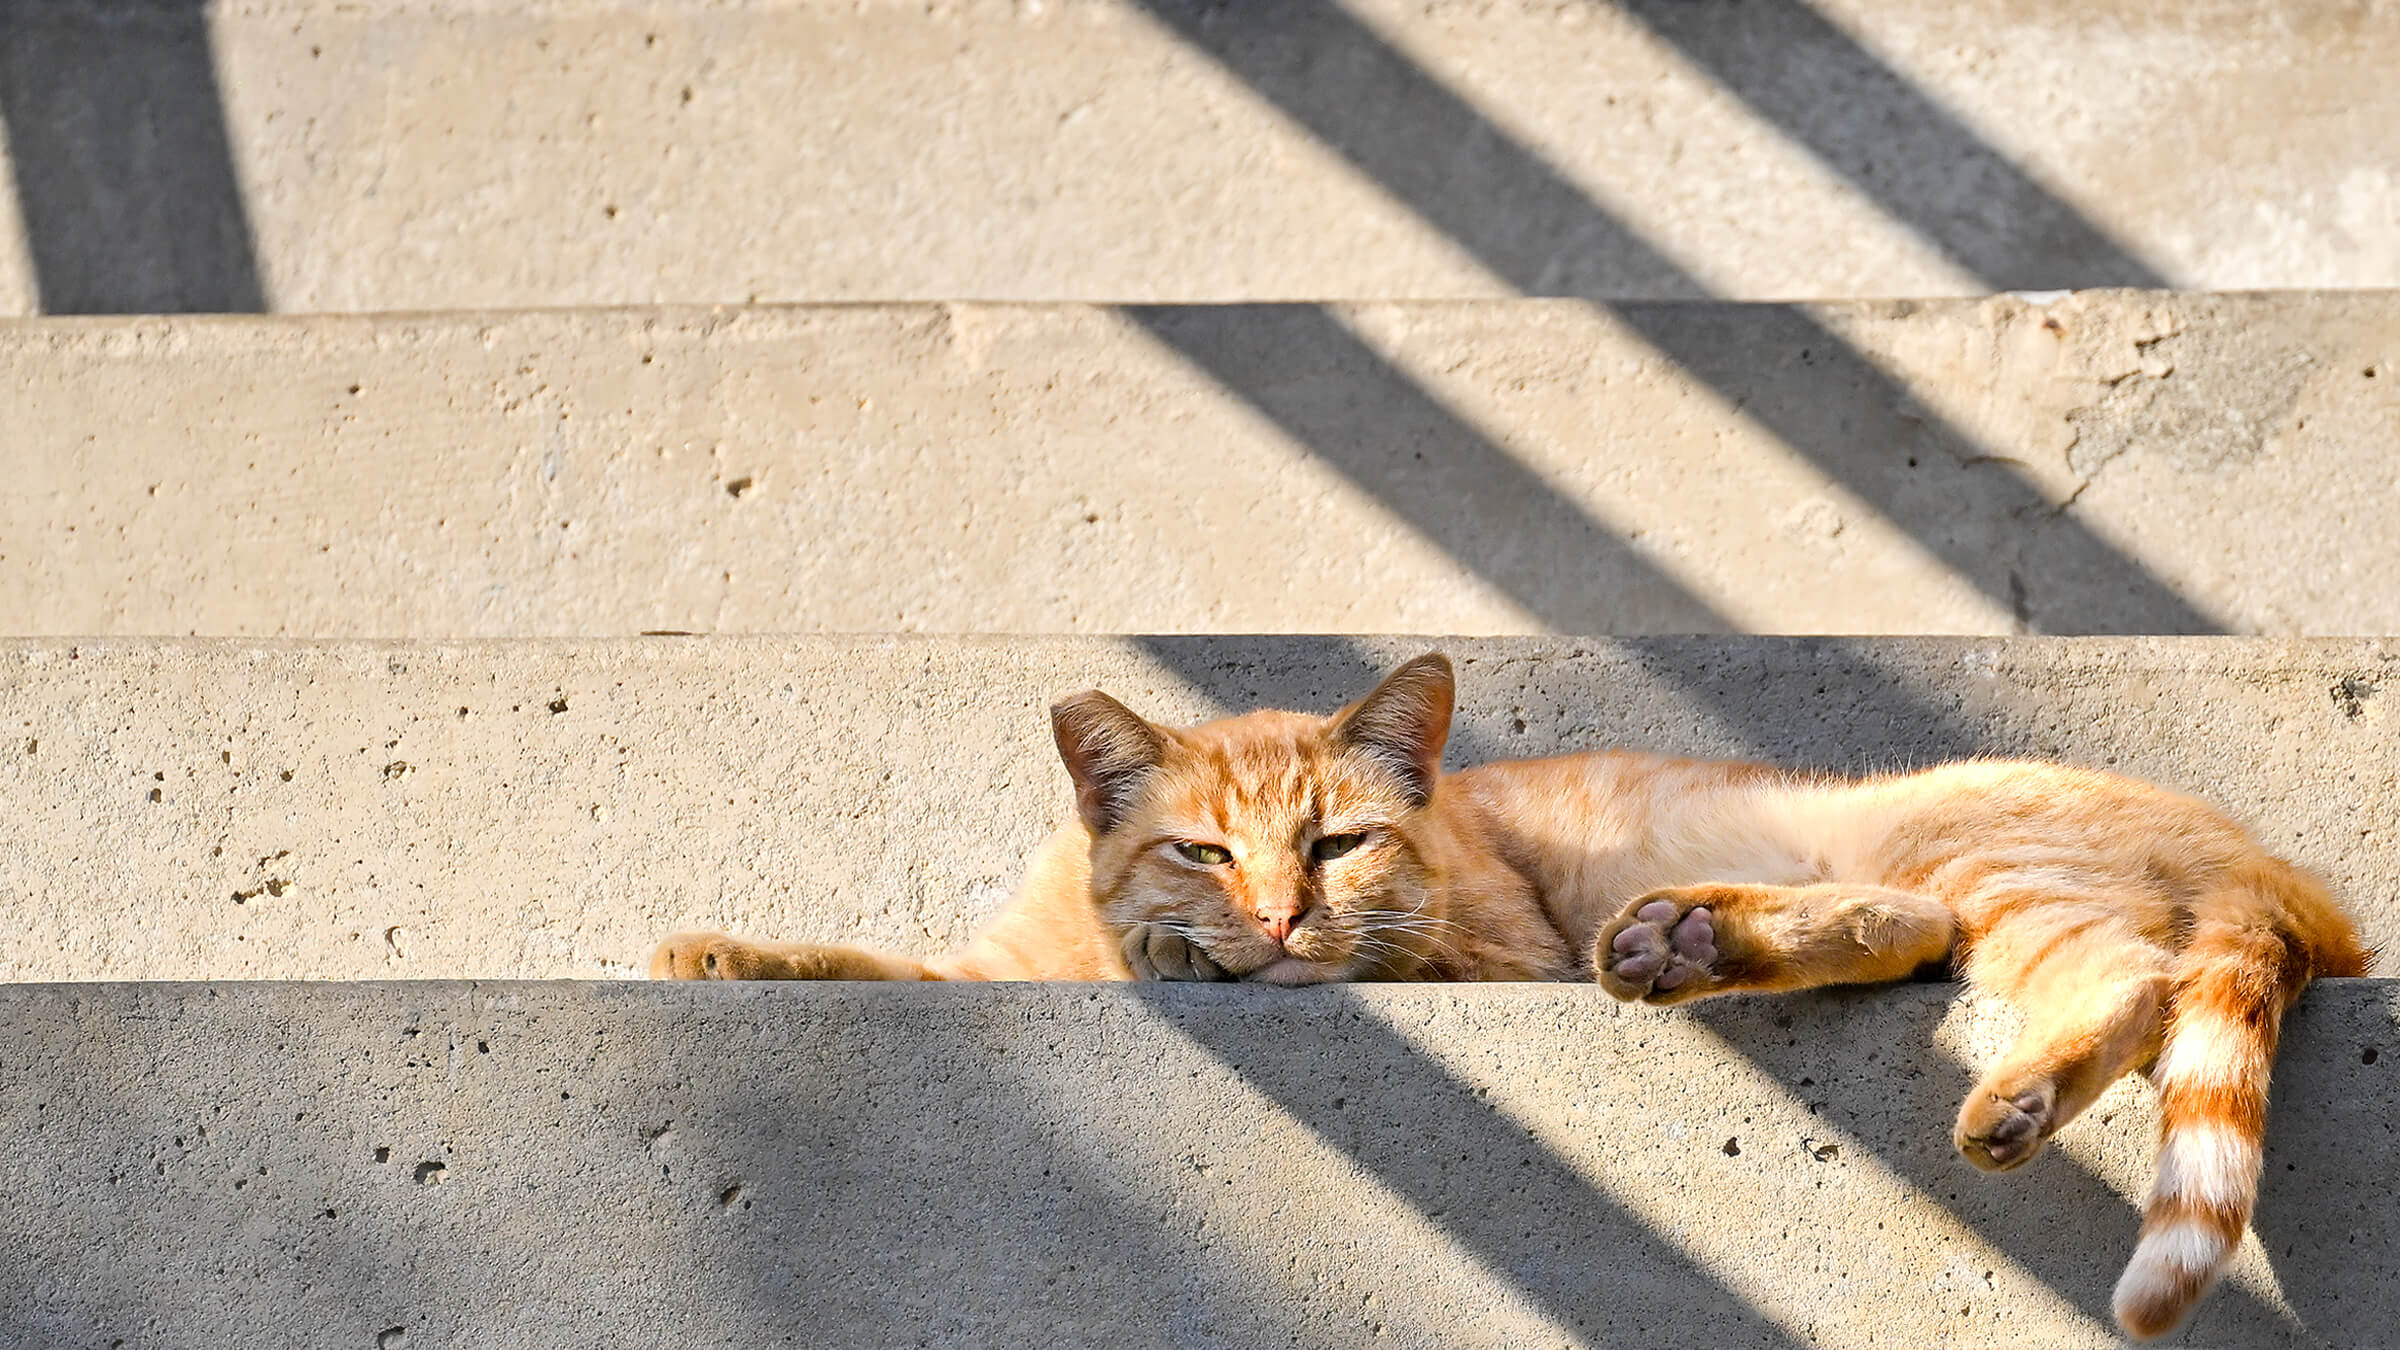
(1331, 846)
(1207, 855)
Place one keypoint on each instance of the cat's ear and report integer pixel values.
(1108, 751)
(1404, 723)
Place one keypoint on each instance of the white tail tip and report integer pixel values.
(2172, 1266)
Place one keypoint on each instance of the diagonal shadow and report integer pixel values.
(124, 173)
(1992, 1206)
(1823, 703)
(1519, 216)
(1362, 416)
(1002, 1204)
(1367, 101)
(1864, 429)
(1826, 703)
(1561, 1241)
(1814, 702)
(1895, 143)
(2322, 1108)
(1331, 671)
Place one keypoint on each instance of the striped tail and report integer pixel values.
(2233, 983)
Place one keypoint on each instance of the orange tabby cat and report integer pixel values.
(2134, 927)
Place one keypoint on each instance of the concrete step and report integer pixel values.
(2103, 462)
(211, 810)
(538, 1165)
(332, 155)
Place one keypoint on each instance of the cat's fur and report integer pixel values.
(2136, 928)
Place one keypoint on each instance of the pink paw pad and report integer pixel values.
(1664, 949)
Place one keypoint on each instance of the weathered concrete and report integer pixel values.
(2111, 461)
(648, 1166)
(315, 155)
(345, 810)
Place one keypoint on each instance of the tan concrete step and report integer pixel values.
(314, 155)
(210, 810)
(545, 1165)
(2109, 461)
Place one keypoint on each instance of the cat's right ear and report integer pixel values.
(1108, 751)
(1403, 722)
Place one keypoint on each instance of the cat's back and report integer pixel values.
(1991, 804)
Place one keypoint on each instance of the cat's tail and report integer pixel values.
(2247, 959)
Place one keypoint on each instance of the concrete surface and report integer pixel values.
(536, 1165)
(2104, 462)
(330, 155)
(197, 810)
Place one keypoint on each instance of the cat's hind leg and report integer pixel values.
(2094, 995)
(1692, 941)
(721, 956)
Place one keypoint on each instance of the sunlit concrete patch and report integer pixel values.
(20, 293)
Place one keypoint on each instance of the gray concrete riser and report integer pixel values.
(182, 809)
(535, 1165)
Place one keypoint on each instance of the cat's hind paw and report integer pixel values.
(1662, 949)
(1998, 1132)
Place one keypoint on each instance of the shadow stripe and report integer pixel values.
(1916, 159)
(124, 170)
(1573, 1267)
(1356, 412)
(1468, 178)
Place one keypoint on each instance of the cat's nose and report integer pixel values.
(1279, 923)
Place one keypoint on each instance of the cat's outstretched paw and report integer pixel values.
(1662, 949)
(707, 956)
(2000, 1130)
(1157, 952)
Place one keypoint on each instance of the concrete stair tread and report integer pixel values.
(2109, 461)
(194, 809)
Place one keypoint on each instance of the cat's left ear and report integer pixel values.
(1404, 722)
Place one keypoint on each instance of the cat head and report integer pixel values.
(1285, 846)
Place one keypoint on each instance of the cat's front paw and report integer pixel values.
(707, 956)
(1662, 949)
(1157, 952)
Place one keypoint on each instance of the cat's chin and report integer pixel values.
(1289, 971)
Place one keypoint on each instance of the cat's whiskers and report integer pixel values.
(1388, 935)
(1434, 932)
